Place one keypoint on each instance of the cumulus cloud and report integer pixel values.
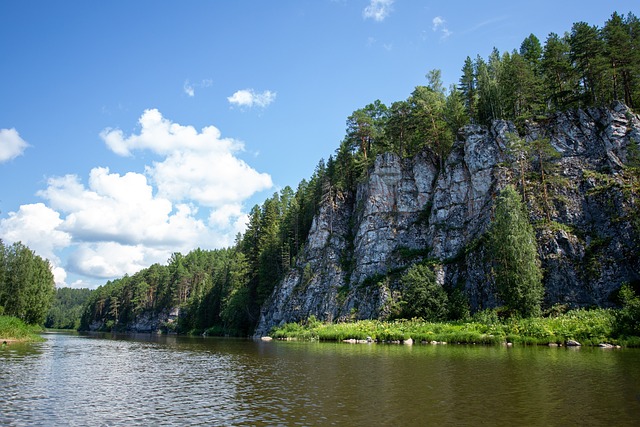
(250, 98)
(378, 10)
(198, 166)
(162, 136)
(110, 259)
(11, 145)
(439, 24)
(37, 226)
(115, 224)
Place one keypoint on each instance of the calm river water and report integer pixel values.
(103, 380)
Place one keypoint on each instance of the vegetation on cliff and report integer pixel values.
(222, 291)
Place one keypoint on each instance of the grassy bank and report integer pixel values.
(589, 327)
(14, 329)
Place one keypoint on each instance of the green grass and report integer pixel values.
(14, 329)
(589, 327)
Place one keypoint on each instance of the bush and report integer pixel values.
(628, 317)
(422, 295)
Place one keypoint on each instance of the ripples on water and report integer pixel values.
(149, 380)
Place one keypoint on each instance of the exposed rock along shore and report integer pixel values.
(407, 209)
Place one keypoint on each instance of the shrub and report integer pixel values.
(628, 317)
(422, 295)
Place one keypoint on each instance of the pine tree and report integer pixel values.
(621, 50)
(468, 88)
(560, 84)
(587, 55)
(513, 249)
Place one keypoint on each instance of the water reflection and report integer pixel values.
(170, 380)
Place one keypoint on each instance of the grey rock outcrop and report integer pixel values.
(588, 230)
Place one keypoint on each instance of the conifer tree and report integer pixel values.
(515, 261)
(558, 74)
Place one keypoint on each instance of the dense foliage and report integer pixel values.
(589, 327)
(422, 296)
(514, 254)
(222, 291)
(26, 284)
(12, 328)
(66, 308)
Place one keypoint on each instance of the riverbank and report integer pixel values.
(586, 327)
(14, 330)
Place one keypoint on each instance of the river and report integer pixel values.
(104, 380)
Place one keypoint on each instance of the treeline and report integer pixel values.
(587, 66)
(66, 308)
(222, 290)
(218, 290)
(26, 284)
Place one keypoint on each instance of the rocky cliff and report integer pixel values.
(587, 224)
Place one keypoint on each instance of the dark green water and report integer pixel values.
(97, 380)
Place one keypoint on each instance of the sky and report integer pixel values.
(130, 130)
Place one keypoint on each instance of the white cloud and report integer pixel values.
(116, 224)
(60, 276)
(110, 259)
(11, 145)
(249, 98)
(122, 209)
(37, 226)
(162, 136)
(190, 88)
(378, 10)
(439, 24)
(211, 179)
(199, 167)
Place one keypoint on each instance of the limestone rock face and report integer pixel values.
(588, 229)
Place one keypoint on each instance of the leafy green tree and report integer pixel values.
(628, 317)
(400, 127)
(531, 51)
(422, 296)
(515, 262)
(428, 106)
(28, 287)
(455, 113)
(365, 128)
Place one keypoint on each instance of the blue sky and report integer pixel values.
(133, 129)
